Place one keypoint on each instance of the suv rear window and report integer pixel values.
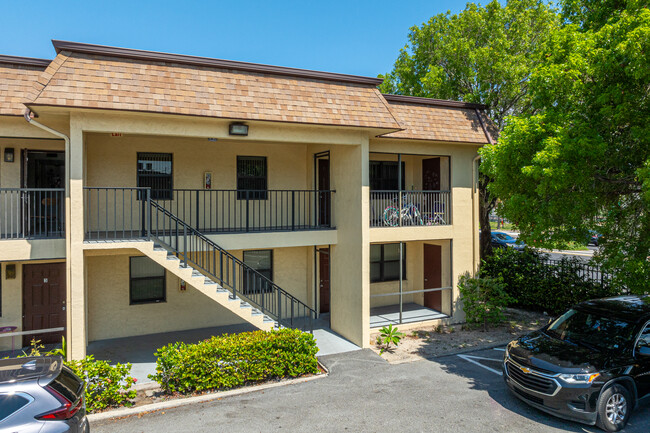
(68, 385)
(10, 404)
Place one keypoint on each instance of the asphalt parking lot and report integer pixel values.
(363, 393)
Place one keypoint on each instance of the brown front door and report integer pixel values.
(433, 276)
(324, 272)
(431, 174)
(44, 301)
(324, 199)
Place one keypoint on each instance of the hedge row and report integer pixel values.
(539, 286)
(234, 360)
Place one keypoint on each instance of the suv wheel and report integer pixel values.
(614, 408)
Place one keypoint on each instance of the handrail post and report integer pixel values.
(293, 210)
(148, 217)
(184, 245)
(247, 210)
(197, 210)
(279, 306)
(234, 280)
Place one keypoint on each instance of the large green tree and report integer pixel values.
(580, 159)
(483, 54)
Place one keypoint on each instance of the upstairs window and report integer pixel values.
(384, 262)
(155, 171)
(383, 176)
(251, 177)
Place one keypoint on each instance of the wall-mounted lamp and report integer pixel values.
(9, 154)
(238, 129)
(10, 272)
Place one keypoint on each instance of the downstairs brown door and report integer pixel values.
(433, 276)
(324, 272)
(44, 301)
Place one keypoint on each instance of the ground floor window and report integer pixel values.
(262, 262)
(147, 281)
(384, 262)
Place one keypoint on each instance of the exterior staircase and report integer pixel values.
(207, 286)
(191, 256)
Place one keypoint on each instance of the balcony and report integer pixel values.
(410, 208)
(121, 213)
(32, 213)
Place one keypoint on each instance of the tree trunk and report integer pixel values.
(486, 206)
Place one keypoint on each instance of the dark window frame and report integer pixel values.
(151, 300)
(246, 290)
(383, 182)
(244, 190)
(160, 193)
(382, 264)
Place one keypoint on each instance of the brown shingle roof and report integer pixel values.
(17, 77)
(427, 119)
(117, 82)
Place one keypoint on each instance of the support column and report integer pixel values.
(350, 257)
(76, 336)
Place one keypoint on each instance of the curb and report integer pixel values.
(458, 352)
(126, 412)
(178, 402)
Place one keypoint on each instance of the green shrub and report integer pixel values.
(233, 360)
(540, 286)
(389, 335)
(483, 299)
(106, 385)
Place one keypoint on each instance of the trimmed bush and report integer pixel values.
(483, 300)
(106, 385)
(540, 286)
(234, 360)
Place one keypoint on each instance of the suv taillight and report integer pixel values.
(66, 411)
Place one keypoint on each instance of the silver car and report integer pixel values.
(41, 394)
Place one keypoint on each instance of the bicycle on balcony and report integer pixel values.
(409, 215)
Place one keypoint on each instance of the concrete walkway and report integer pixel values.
(139, 351)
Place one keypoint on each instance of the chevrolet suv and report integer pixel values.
(591, 364)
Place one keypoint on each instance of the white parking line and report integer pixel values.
(472, 359)
(500, 349)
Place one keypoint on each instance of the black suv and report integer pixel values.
(591, 365)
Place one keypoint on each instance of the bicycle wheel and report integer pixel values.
(417, 216)
(391, 216)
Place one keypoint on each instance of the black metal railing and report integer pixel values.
(587, 271)
(28, 213)
(116, 213)
(410, 208)
(199, 252)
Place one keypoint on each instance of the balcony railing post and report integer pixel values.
(293, 210)
(148, 221)
(399, 209)
(247, 210)
(197, 210)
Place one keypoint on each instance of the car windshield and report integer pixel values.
(591, 330)
(503, 237)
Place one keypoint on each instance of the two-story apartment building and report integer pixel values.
(145, 192)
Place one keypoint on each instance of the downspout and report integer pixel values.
(29, 116)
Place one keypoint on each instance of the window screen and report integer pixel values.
(262, 262)
(155, 171)
(384, 262)
(147, 281)
(251, 177)
(383, 175)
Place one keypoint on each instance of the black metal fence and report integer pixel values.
(588, 271)
(410, 208)
(28, 213)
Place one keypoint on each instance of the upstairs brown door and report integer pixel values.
(431, 174)
(324, 272)
(433, 276)
(44, 301)
(324, 199)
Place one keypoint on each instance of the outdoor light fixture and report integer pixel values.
(10, 272)
(9, 154)
(238, 129)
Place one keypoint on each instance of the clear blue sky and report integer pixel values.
(353, 37)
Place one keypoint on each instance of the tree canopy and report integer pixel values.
(579, 159)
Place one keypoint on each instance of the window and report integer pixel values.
(644, 338)
(251, 177)
(147, 281)
(384, 262)
(262, 262)
(10, 404)
(383, 175)
(155, 172)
